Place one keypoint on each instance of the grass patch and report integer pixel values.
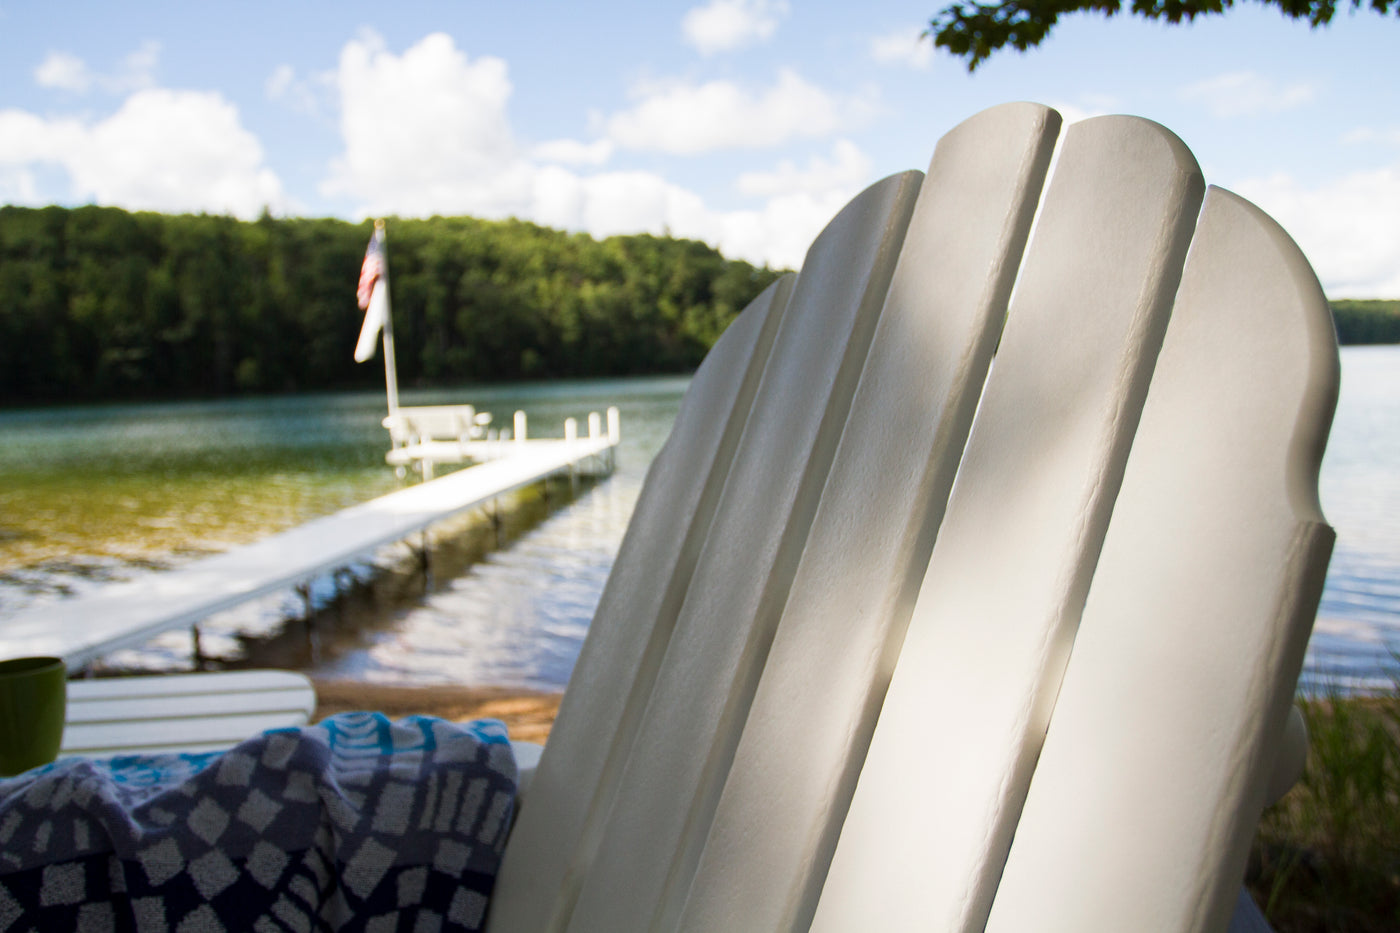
(1327, 857)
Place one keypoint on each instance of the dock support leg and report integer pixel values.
(197, 649)
(344, 581)
(423, 555)
(308, 617)
(614, 436)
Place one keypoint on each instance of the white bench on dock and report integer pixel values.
(427, 435)
(122, 615)
(181, 712)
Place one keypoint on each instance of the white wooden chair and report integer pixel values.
(429, 434)
(181, 712)
(903, 638)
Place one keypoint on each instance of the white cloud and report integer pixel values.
(1368, 135)
(426, 131)
(777, 233)
(68, 72)
(26, 138)
(26, 142)
(1245, 93)
(906, 47)
(573, 152)
(280, 82)
(1348, 228)
(312, 96)
(780, 233)
(17, 186)
(138, 69)
(1094, 106)
(723, 25)
(63, 71)
(162, 150)
(686, 119)
(846, 170)
(175, 151)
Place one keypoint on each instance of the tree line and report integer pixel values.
(99, 303)
(1369, 321)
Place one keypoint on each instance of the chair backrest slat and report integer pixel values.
(1199, 614)
(573, 785)
(744, 570)
(796, 764)
(948, 767)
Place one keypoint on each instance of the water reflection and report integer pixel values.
(1356, 641)
(517, 617)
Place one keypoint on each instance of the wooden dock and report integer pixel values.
(123, 615)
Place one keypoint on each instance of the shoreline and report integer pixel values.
(528, 714)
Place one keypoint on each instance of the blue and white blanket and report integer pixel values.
(357, 823)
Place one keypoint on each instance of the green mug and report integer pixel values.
(33, 701)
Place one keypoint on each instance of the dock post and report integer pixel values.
(425, 559)
(308, 616)
(614, 435)
(570, 436)
(520, 426)
(494, 513)
(595, 431)
(198, 652)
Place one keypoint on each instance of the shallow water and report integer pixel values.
(108, 492)
(99, 493)
(1356, 641)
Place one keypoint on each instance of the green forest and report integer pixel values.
(99, 303)
(1367, 321)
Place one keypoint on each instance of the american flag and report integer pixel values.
(372, 268)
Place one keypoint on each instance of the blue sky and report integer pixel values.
(745, 123)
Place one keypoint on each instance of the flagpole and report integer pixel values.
(391, 376)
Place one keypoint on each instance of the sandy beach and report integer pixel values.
(527, 714)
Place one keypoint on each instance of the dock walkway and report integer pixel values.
(122, 615)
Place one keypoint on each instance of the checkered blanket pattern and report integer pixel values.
(357, 823)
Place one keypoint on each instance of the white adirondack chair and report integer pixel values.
(868, 662)
(191, 713)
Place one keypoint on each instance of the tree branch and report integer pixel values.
(973, 31)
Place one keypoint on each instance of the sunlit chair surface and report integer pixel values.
(972, 586)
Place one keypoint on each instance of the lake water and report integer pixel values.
(97, 493)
